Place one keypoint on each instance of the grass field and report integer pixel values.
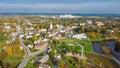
(102, 60)
(83, 42)
(12, 60)
(2, 43)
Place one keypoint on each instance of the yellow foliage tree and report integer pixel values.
(8, 49)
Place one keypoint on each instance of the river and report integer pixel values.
(111, 44)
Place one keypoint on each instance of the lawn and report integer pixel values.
(12, 60)
(2, 43)
(84, 42)
(102, 60)
(29, 63)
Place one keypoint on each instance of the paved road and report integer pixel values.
(29, 54)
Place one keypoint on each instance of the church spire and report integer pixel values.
(51, 26)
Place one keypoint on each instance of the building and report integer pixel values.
(21, 35)
(51, 26)
(89, 22)
(79, 36)
(44, 59)
(37, 41)
(67, 16)
(82, 24)
(29, 36)
(30, 46)
(100, 24)
(44, 66)
(44, 30)
(38, 46)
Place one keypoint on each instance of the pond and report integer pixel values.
(111, 44)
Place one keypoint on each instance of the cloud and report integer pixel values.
(79, 7)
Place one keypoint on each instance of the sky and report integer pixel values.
(60, 6)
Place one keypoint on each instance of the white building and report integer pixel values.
(21, 35)
(89, 23)
(51, 26)
(80, 36)
(82, 24)
(44, 30)
(29, 36)
(67, 16)
(100, 23)
(30, 46)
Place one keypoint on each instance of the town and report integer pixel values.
(59, 41)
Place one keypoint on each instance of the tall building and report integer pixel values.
(51, 26)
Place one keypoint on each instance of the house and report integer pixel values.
(82, 24)
(75, 54)
(13, 35)
(21, 48)
(7, 28)
(18, 29)
(58, 36)
(44, 66)
(29, 29)
(89, 22)
(37, 33)
(29, 36)
(30, 46)
(57, 56)
(44, 59)
(62, 31)
(37, 41)
(79, 36)
(30, 33)
(110, 31)
(45, 40)
(40, 45)
(74, 27)
(21, 35)
(43, 30)
(100, 24)
(67, 16)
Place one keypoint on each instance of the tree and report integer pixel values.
(93, 34)
(60, 64)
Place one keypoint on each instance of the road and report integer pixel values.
(28, 54)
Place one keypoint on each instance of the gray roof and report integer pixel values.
(44, 59)
(43, 66)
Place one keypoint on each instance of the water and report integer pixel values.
(74, 14)
(111, 44)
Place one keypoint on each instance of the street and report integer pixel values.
(28, 54)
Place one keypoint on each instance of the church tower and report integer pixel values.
(51, 26)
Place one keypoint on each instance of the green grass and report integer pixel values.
(102, 60)
(2, 43)
(33, 50)
(29, 64)
(96, 39)
(84, 42)
(13, 60)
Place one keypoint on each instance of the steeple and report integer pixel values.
(51, 26)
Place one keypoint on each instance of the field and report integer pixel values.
(76, 44)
